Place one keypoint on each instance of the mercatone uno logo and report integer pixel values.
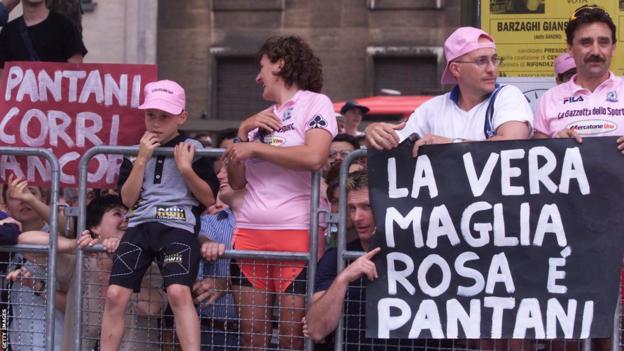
(592, 126)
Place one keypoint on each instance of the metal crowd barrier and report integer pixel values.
(261, 255)
(156, 330)
(51, 250)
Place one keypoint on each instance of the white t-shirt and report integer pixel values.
(442, 116)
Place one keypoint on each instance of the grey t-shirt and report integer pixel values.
(165, 198)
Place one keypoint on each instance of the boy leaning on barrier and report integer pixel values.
(165, 196)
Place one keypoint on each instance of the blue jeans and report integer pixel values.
(219, 340)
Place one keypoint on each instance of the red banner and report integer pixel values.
(69, 108)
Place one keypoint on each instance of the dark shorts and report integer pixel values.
(175, 250)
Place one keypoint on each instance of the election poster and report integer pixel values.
(530, 34)
(500, 240)
(69, 108)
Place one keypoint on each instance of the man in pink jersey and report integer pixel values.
(589, 104)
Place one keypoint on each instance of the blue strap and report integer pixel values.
(488, 128)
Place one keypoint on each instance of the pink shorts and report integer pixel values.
(271, 275)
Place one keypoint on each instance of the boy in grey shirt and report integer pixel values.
(165, 196)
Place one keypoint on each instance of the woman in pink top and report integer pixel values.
(272, 158)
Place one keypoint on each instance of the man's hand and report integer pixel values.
(147, 145)
(208, 290)
(212, 250)
(362, 266)
(183, 154)
(429, 139)
(383, 136)
(25, 278)
(18, 190)
(620, 142)
(110, 244)
(569, 133)
(265, 120)
(86, 240)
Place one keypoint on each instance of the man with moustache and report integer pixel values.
(591, 103)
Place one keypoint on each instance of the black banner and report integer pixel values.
(514, 239)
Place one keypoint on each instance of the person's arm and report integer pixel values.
(236, 173)
(512, 130)
(131, 188)
(264, 120)
(18, 189)
(183, 154)
(309, 156)
(383, 136)
(324, 314)
(540, 135)
(209, 289)
(35, 237)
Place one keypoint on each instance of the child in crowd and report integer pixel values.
(165, 196)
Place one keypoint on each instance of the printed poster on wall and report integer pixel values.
(69, 108)
(529, 34)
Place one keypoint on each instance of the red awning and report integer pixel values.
(389, 105)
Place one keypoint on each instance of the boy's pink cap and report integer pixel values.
(564, 63)
(164, 95)
(462, 41)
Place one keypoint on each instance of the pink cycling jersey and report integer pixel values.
(568, 105)
(278, 197)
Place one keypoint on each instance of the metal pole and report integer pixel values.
(54, 189)
(341, 245)
(82, 214)
(312, 258)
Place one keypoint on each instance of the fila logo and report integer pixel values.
(572, 99)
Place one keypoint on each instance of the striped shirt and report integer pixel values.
(218, 227)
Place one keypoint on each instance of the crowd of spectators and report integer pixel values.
(257, 197)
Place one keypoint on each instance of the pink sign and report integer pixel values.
(69, 108)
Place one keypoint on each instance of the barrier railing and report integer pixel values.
(54, 197)
(344, 337)
(264, 255)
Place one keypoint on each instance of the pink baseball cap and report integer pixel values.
(564, 63)
(462, 41)
(164, 95)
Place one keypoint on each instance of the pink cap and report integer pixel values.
(164, 95)
(564, 63)
(462, 41)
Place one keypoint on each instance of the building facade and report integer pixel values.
(366, 46)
